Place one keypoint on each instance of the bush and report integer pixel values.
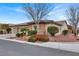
(22, 34)
(65, 32)
(32, 38)
(42, 38)
(24, 30)
(52, 30)
(18, 35)
(32, 32)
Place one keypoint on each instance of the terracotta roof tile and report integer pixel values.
(41, 22)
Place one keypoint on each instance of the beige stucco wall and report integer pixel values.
(13, 30)
(63, 27)
(3, 28)
(42, 28)
(20, 27)
(17, 29)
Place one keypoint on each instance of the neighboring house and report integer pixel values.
(43, 25)
(3, 28)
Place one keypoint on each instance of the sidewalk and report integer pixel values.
(68, 46)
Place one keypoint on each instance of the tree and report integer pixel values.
(8, 30)
(52, 30)
(37, 11)
(72, 14)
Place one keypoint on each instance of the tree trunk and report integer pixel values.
(75, 31)
(38, 30)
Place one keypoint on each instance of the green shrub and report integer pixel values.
(24, 30)
(32, 38)
(65, 32)
(42, 38)
(18, 35)
(52, 30)
(32, 32)
(22, 34)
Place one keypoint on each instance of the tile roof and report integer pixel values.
(60, 23)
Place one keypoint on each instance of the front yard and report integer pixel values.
(66, 38)
(57, 38)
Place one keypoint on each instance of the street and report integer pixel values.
(9, 48)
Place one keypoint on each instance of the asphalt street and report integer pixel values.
(9, 48)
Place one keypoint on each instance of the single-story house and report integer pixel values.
(3, 28)
(43, 25)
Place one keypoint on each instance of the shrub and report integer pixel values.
(24, 30)
(65, 32)
(42, 38)
(52, 30)
(32, 38)
(32, 32)
(18, 34)
(22, 34)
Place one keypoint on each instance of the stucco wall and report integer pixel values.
(64, 27)
(42, 28)
(20, 27)
(13, 30)
(17, 29)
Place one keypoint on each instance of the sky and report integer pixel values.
(13, 12)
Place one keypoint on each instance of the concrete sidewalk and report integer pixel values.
(10, 48)
(68, 46)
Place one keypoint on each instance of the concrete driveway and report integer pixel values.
(9, 48)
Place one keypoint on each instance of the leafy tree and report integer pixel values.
(8, 30)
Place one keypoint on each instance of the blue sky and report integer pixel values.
(13, 12)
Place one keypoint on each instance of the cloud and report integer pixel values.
(19, 9)
(57, 14)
